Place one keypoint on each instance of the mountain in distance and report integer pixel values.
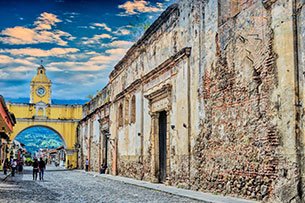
(36, 138)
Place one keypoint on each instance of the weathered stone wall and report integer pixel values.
(159, 59)
(92, 132)
(95, 147)
(247, 142)
(239, 112)
(300, 49)
(225, 72)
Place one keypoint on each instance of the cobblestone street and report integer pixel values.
(73, 186)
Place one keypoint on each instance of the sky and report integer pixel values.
(78, 42)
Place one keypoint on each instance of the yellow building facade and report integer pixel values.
(62, 119)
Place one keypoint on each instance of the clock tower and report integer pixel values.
(40, 87)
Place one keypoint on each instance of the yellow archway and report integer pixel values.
(63, 119)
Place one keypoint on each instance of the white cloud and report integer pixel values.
(3, 74)
(102, 36)
(103, 25)
(121, 44)
(94, 63)
(139, 6)
(45, 21)
(118, 51)
(88, 66)
(54, 69)
(122, 31)
(95, 39)
(86, 79)
(91, 53)
(6, 60)
(41, 33)
(39, 52)
(22, 69)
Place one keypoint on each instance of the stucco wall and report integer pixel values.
(91, 132)
(227, 75)
(179, 30)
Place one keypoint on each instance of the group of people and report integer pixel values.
(16, 166)
(13, 165)
(38, 167)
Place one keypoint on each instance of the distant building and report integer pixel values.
(17, 150)
(93, 132)
(7, 122)
(62, 119)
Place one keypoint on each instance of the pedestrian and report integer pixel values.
(87, 165)
(103, 168)
(35, 169)
(14, 167)
(41, 166)
(5, 166)
(20, 168)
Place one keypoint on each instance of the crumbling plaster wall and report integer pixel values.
(180, 30)
(235, 116)
(300, 46)
(91, 131)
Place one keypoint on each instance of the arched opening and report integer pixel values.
(41, 142)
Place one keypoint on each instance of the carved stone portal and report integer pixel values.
(159, 104)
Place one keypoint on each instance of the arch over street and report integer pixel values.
(62, 119)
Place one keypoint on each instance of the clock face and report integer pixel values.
(41, 91)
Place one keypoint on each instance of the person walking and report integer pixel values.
(35, 169)
(20, 167)
(87, 165)
(14, 167)
(42, 166)
(5, 166)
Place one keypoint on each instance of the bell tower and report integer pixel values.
(40, 87)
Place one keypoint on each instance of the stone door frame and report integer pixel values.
(159, 100)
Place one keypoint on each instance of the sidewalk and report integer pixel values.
(205, 197)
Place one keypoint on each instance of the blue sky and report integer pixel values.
(79, 41)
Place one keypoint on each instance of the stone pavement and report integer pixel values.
(72, 186)
(204, 197)
(2, 176)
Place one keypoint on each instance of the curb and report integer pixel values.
(195, 195)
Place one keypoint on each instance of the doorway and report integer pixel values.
(162, 146)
